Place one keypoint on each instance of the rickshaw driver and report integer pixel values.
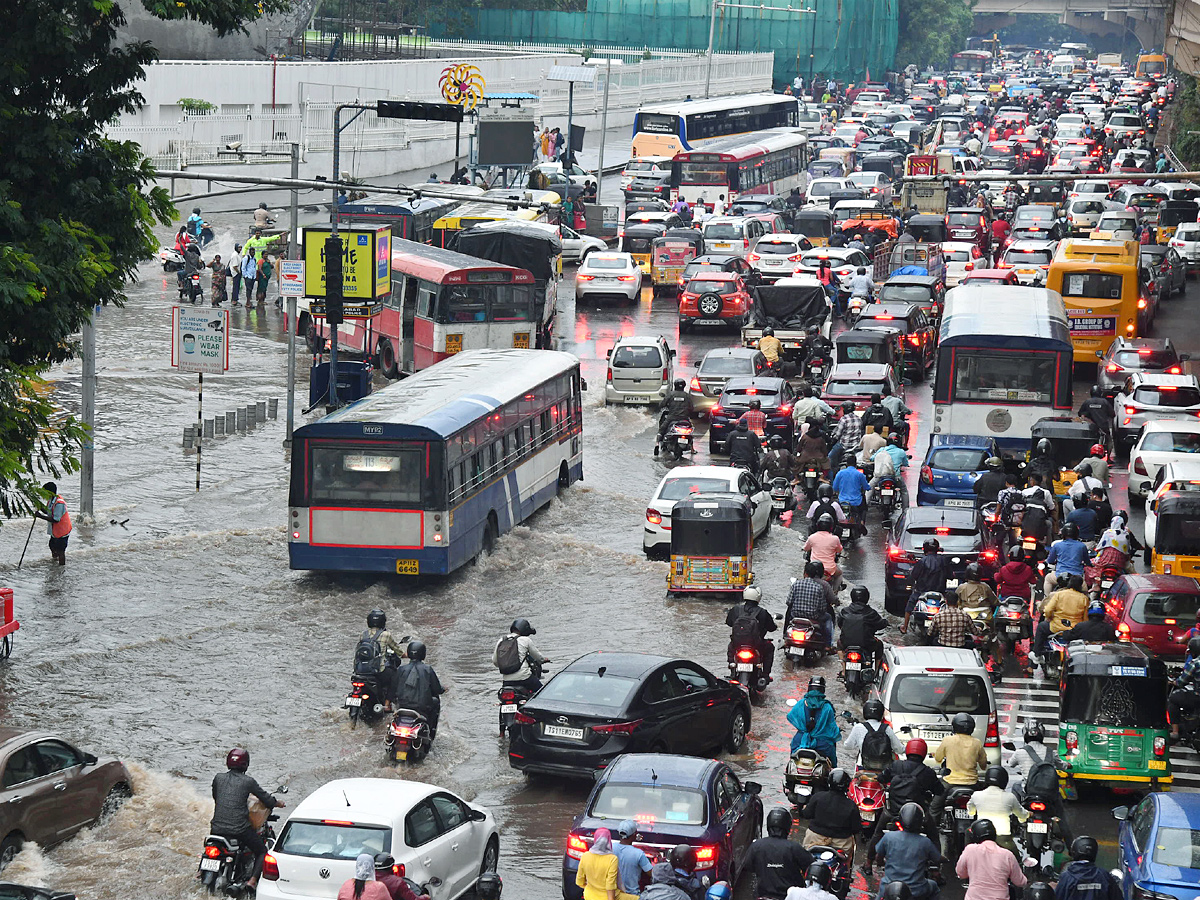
(676, 407)
(1184, 699)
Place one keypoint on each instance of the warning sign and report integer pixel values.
(366, 262)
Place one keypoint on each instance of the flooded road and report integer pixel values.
(177, 631)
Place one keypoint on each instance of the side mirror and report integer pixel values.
(695, 365)
(608, 354)
(673, 353)
(906, 728)
(406, 639)
(1121, 813)
(847, 715)
(478, 815)
(779, 617)
(1184, 357)
(752, 787)
(1009, 745)
(583, 384)
(89, 759)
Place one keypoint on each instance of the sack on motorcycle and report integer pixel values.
(508, 656)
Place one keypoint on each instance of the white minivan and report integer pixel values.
(639, 370)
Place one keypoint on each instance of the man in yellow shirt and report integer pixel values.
(771, 346)
(1061, 611)
(962, 753)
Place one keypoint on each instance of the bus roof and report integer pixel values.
(740, 146)
(491, 211)
(716, 104)
(992, 315)
(433, 263)
(445, 398)
(1092, 252)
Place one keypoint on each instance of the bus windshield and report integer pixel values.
(703, 173)
(988, 376)
(458, 303)
(367, 476)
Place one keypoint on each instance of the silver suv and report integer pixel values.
(717, 367)
(1154, 398)
(1125, 356)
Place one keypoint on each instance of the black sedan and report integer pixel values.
(962, 539)
(674, 800)
(1167, 267)
(776, 396)
(605, 704)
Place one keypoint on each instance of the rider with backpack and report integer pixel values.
(519, 662)
(378, 654)
(871, 743)
(1037, 767)
(749, 626)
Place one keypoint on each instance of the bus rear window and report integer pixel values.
(653, 123)
(1098, 285)
(1003, 378)
(458, 303)
(367, 476)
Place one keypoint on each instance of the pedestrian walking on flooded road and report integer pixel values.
(59, 520)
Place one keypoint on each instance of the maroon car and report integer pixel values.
(1155, 611)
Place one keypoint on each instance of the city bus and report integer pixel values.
(423, 475)
(972, 61)
(1098, 282)
(767, 162)
(410, 218)
(442, 303)
(1004, 361)
(1151, 65)
(665, 129)
(487, 209)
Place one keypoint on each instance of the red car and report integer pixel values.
(990, 276)
(1155, 611)
(714, 298)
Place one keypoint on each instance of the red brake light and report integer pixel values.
(885, 317)
(993, 732)
(785, 410)
(576, 846)
(585, 277)
(914, 339)
(609, 379)
(524, 719)
(1112, 367)
(706, 857)
(1037, 806)
(346, 824)
(212, 851)
(617, 727)
(853, 656)
(745, 655)
(1160, 745)
(990, 555)
(654, 517)
(897, 553)
(695, 383)
(941, 531)
(270, 869)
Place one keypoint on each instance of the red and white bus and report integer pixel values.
(442, 303)
(764, 162)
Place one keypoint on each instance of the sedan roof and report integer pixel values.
(660, 768)
(627, 665)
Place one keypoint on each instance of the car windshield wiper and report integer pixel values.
(932, 709)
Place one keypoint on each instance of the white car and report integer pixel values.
(639, 370)
(644, 167)
(577, 246)
(608, 273)
(577, 176)
(1186, 242)
(1158, 444)
(876, 185)
(1083, 213)
(1121, 124)
(1116, 225)
(961, 257)
(819, 190)
(1031, 259)
(1094, 190)
(437, 837)
(776, 255)
(684, 481)
(1174, 476)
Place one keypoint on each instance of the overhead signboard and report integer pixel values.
(200, 340)
(366, 263)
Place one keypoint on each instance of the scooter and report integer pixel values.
(869, 796)
(676, 441)
(365, 700)
(783, 498)
(747, 670)
(810, 480)
(1013, 626)
(804, 643)
(409, 737)
(859, 673)
(190, 287)
(512, 697)
(928, 605)
(1052, 659)
(817, 367)
(1108, 577)
(225, 864)
(807, 772)
(888, 496)
(854, 309)
(171, 259)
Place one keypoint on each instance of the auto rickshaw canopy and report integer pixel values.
(711, 525)
(1111, 684)
(866, 345)
(1178, 528)
(1071, 437)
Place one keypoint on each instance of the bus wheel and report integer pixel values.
(387, 359)
(564, 478)
(491, 532)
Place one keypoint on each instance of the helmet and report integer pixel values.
(825, 491)
(812, 329)
(522, 627)
(1034, 732)
(262, 205)
(752, 594)
(377, 618)
(1084, 847)
(997, 776)
(873, 709)
(768, 332)
(814, 568)
(825, 522)
(818, 875)
(776, 441)
(238, 759)
(488, 886)
(848, 406)
(1095, 390)
(894, 439)
(719, 891)
(1039, 890)
(972, 572)
(1098, 450)
(779, 822)
(1044, 448)
(743, 425)
(916, 748)
(861, 270)
(993, 462)
(860, 594)
(912, 817)
(1083, 468)
(931, 546)
(1193, 647)
(1070, 530)
(983, 830)
(416, 651)
(817, 683)
(896, 890)
(756, 404)
(839, 780)
(683, 856)
(384, 861)
(196, 210)
(680, 384)
(1095, 610)
(963, 723)
(1016, 553)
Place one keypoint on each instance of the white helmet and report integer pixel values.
(752, 594)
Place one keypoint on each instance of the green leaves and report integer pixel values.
(932, 31)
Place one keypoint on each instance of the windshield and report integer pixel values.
(1024, 218)
(957, 460)
(647, 804)
(957, 255)
(1115, 223)
(949, 693)
(637, 245)
(823, 188)
(1087, 206)
(723, 230)
(607, 262)
(330, 841)
(700, 286)
(743, 396)
(778, 248)
(1166, 395)
(813, 227)
(683, 487)
(589, 689)
(907, 293)
(727, 365)
(1145, 359)
(630, 357)
(1164, 608)
(852, 388)
(964, 220)
(953, 540)
(1004, 378)
(865, 179)
(459, 303)
(366, 476)
(1127, 702)
(1171, 442)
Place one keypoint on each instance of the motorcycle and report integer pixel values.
(860, 674)
(955, 822)
(1102, 585)
(868, 795)
(1013, 625)
(810, 480)
(224, 863)
(817, 367)
(839, 867)
(512, 697)
(747, 670)
(803, 642)
(1052, 659)
(190, 288)
(171, 259)
(1039, 833)
(984, 639)
(365, 700)
(409, 737)
(783, 498)
(888, 496)
(928, 605)
(807, 772)
(854, 309)
(677, 440)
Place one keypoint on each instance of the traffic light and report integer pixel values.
(333, 280)
(430, 112)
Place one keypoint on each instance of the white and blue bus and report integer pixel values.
(422, 475)
(1004, 361)
(664, 129)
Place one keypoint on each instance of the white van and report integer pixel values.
(639, 370)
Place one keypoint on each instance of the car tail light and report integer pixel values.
(576, 846)
(610, 376)
(585, 277)
(716, 411)
(706, 857)
(664, 378)
(1130, 410)
(694, 384)
(654, 517)
(993, 732)
(1123, 628)
(745, 655)
(753, 257)
(1037, 806)
(898, 554)
(989, 556)
(1160, 746)
(1174, 370)
(270, 869)
(926, 475)
(1142, 300)
(1072, 740)
(1112, 367)
(970, 266)
(795, 258)
(212, 851)
(617, 727)
(524, 719)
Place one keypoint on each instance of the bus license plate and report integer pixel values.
(354, 701)
(853, 667)
(745, 667)
(407, 567)
(575, 734)
(1158, 764)
(210, 865)
(521, 340)
(508, 707)
(1037, 827)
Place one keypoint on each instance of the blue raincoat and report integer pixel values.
(825, 733)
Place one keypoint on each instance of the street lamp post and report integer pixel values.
(712, 27)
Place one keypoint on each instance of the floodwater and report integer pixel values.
(177, 631)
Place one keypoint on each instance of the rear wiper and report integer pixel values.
(932, 709)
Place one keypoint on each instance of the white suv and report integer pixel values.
(1186, 242)
(924, 688)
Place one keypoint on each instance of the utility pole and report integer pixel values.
(293, 253)
(603, 128)
(87, 454)
(712, 23)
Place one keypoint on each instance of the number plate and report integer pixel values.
(508, 707)
(961, 814)
(745, 667)
(634, 400)
(778, 504)
(804, 790)
(1013, 629)
(810, 473)
(887, 492)
(719, 245)
(1037, 827)
(521, 340)
(1158, 764)
(931, 735)
(853, 667)
(960, 502)
(951, 582)
(210, 865)
(401, 755)
(407, 567)
(354, 701)
(709, 322)
(575, 734)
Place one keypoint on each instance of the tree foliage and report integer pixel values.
(76, 209)
(932, 31)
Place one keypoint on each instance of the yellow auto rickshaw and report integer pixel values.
(814, 224)
(711, 542)
(637, 241)
(1176, 549)
(670, 254)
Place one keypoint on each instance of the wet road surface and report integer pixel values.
(177, 630)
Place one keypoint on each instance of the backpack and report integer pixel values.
(508, 655)
(904, 786)
(744, 628)
(1042, 780)
(367, 654)
(876, 750)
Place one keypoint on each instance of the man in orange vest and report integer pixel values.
(60, 523)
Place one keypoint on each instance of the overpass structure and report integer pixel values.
(1183, 36)
(1145, 20)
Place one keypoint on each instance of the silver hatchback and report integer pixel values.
(717, 367)
(639, 370)
(1155, 398)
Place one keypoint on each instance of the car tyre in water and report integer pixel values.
(564, 479)
(9, 849)
(490, 535)
(117, 795)
(737, 731)
(491, 857)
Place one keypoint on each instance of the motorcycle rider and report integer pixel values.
(877, 753)
(809, 405)
(182, 239)
(418, 687)
(906, 855)
(1184, 698)
(812, 598)
(859, 624)
(676, 407)
(528, 675)
(778, 462)
(861, 285)
(928, 574)
(777, 863)
(1042, 462)
(847, 435)
(823, 506)
(231, 818)
(683, 870)
(989, 868)
(1098, 460)
(192, 264)
(825, 547)
(1040, 510)
(262, 216)
(975, 593)
(851, 487)
(816, 344)
(755, 419)
(1061, 611)
(749, 625)
(818, 881)
(379, 653)
(1068, 556)
(815, 722)
(877, 415)
(962, 753)
(899, 412)
(745, 447)
(1016, 577)
(1094, 629)
(385, 874)
(890, 461)
(662, 884)
(1033, 753)
(1082, 879)
(770, 346)
(195, 223)
(909, 780)
(834, 819)
(1100, 410)
(951, 626)
(996, 804)
(988, 486)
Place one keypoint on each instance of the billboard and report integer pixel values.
(505, 143)
(366, 262)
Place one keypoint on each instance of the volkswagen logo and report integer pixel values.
(561, 720)
(323, 872)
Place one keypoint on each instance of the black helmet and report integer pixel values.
(755, 404)
(839, 780)
(963, 723)
(384, 861)
(1070, 531)
(488, 886)
(931, 545)
(812, 329)
(683, 856)
(996, 776)
(814, 568)
(1039, 890)
(377, 618)
(196, 210)
(262, 205)
(1084, 847)
(825, 522)
(1016, 553)
(894, 439)
(522, 627)
(680, 384)
(743, 425)
(873, 709)
(776, 441)
(779, 822)
(912, 817)
(972, 572)
(861, 269)
(1044, 448)
(238, 759)
(1193, 647)
(1095, 390)
(983, 830)
(416, 651)
(848, 406)
(860, 594)
(1034, 732)
(818, 875)
(825, 491)
(817, 683)
(896, 890)
(768, 332)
